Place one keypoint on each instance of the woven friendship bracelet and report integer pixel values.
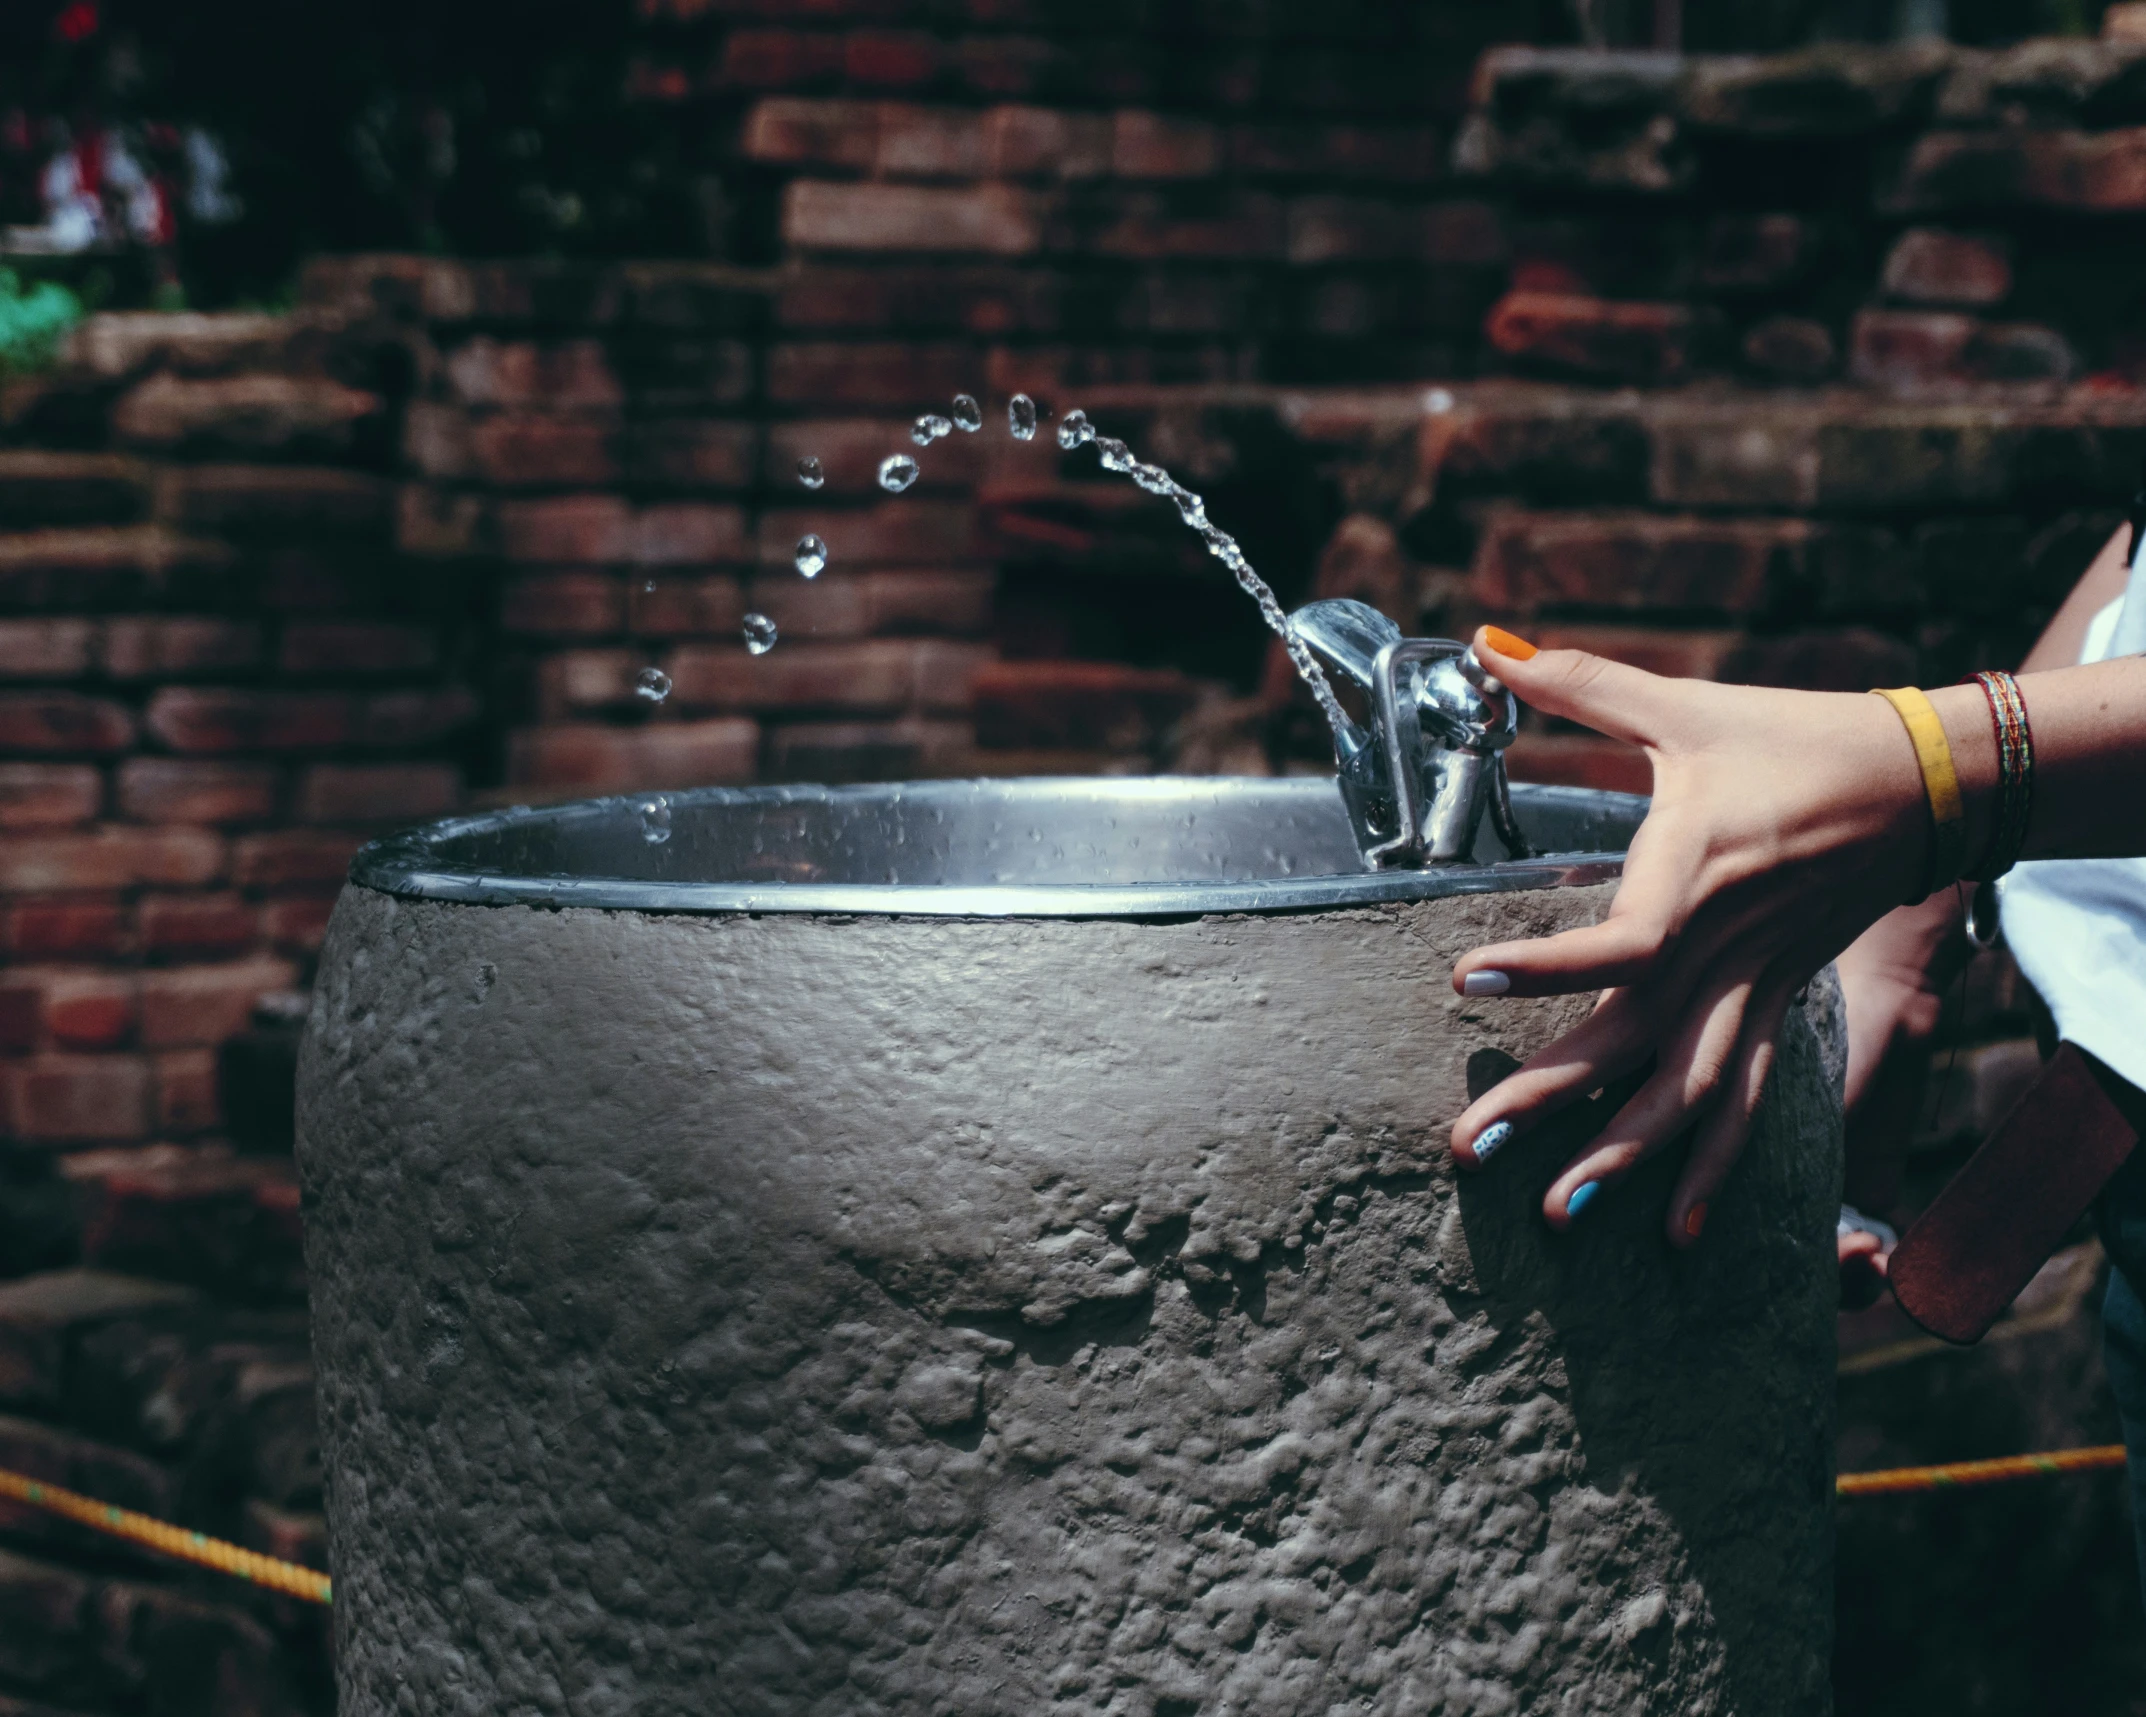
(2015, 774)
(1940, 784)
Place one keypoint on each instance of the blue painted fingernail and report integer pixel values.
(1485, 984)
(1491, 1138)
(1582, 1196)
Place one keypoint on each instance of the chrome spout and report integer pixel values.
(1418, 780)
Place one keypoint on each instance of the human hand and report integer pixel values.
(1784, 823)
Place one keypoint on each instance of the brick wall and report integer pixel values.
(1810, 371)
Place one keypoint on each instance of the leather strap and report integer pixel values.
(1965, 1259)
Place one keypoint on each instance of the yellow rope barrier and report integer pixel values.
(187, 1546)
(1959, 1473)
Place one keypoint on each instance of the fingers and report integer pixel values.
(1609, 1042)
(1722, 1134)
(1686, 1083)
(1609, 697)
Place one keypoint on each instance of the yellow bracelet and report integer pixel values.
(1940, 783)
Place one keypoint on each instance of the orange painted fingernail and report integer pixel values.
(1695, 1219)
(1506, 644)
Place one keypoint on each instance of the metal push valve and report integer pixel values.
(1417, 783)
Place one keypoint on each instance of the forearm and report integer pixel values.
(2089, 726)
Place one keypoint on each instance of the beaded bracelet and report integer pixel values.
(2015, 774)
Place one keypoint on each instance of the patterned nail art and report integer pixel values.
(1491, 1138)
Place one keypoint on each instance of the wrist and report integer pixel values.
(1965, 712)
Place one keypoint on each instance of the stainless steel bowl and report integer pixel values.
(1052, 848)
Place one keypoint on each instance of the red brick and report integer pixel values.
(1153, 226)
(63, 721)
(378, 792)
(874, 675)
(601, 759)
(930, 143)
(573, 682)
(1756, 253)
(297, 923)
(1928, 265)
(277, 498)
(518, 449)
(563, 604)
(695, 453)
(64, 930)
(312, 647)
(292, 856)
(73, 570)
(867, 604)
(44, 649)
(22, 1011)
(67, 1099)
(1351, 229)
(1399, 154)
(1078, 705)
(211, 719)
(261, 415)
(905, 750)
(850, 449)
(1010, 67)
(1694, 655)
(142, 647)
(567, 528)
(110, 858)
(415, 719)
(794, 131)
(1593, 336)
(181, 790)
(1791, 349)
(1904, 347)
(197, 924)
(671, 605)
(1043, 142)
(988, 219)
(892, 59)
(48, 795)
(568, 375)
(1580, 760)
(437, 523)
(2102, 171)
(85, 1009)
(779, 59)
(1155, 146)
(690, 533)
(187, 1005)
(38, 488)
(915, 374)
(186, 1102)
(895, 533)
(1850, 660)
(1527, 561)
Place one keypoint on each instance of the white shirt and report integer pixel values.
(2078, 926)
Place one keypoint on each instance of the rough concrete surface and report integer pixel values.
(793, 1315)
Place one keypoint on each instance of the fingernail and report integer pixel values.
(1506, 644)
(1485, 984)
(1490, 1139)
(1695, 1219)
(1582, 1196)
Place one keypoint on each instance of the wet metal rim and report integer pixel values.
(417, 864)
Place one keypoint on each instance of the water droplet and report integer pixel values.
(1113, 453)
(1075, 430)
(1438, 400)
(759, 634)
(811, 555)
(648, 587)
(968, 415)
(653, 684)
(929, 428)
(1153, 478)
(810, 472)
(896, 472)
(1192, 509)
(655, 820)
(1021, 417)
